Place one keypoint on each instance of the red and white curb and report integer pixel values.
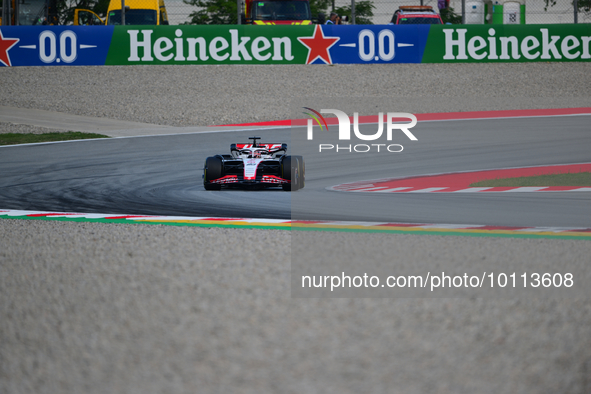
(383, 189)
(9, 213)
(434, 117)
(417, 228)
(459, 182)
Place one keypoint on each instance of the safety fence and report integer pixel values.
(177, 12)
(489, 11)
(471, 11)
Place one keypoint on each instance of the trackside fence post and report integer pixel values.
(4, 13)
(463, 12)
(122, 12)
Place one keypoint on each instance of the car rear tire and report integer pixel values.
(301, 172)
(293, 169)
(213, 169)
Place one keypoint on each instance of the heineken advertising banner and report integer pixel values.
(312, 44)
(54, 45)
(507, 43)
(129, 45)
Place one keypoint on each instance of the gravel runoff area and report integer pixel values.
(6, 127)
(108, 308)
(214, 95)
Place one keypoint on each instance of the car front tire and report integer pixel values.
(213, 169)
(293, 169)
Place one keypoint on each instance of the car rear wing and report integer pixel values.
(270, 147)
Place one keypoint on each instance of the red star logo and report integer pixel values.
(5, 45)
(318, 46)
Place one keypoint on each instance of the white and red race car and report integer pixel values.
(255, 165)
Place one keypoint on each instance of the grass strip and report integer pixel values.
(28, 138)
(576, 179)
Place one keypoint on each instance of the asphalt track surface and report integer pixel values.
(161, 175)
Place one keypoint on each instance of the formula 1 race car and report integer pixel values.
(255, 166)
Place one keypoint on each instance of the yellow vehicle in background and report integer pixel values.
(137, 12)
(29, 12)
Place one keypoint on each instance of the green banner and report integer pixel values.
(208, 45)
(508, 43)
